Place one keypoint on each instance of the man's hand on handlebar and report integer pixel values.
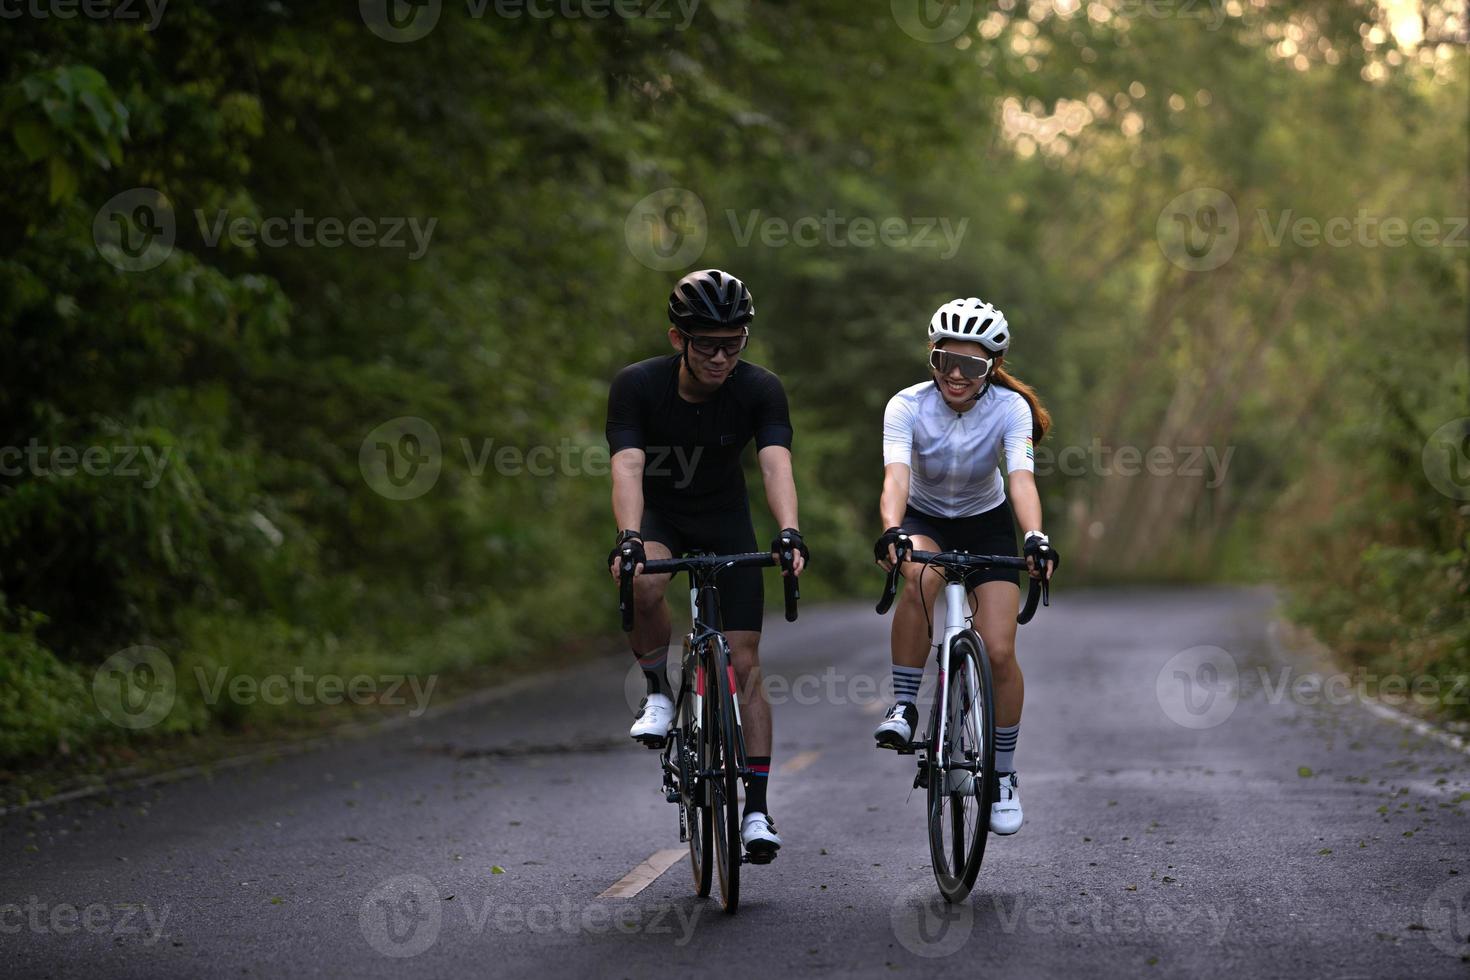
(790, 539)
(629, 545)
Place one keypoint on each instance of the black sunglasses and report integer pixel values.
(709, 346)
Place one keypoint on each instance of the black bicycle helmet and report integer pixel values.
(710, 298)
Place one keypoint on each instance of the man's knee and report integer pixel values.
(744, 649)
(648, 593)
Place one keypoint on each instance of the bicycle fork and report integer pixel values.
(954, 623)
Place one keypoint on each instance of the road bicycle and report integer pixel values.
(956, 758)
(703, 759)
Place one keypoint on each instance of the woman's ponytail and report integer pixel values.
(1040, 417)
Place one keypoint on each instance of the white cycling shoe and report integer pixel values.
(1005, 812)
(655, 718)
(896, 730)
(759, 836)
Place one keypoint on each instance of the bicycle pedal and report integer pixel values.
(672, 796)
(651, 741)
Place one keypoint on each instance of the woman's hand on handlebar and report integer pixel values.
(1039, 553)
(886, 548)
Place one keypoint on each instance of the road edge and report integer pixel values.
(1325, 654)
(291, 747)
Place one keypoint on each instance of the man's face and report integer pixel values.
(711, 353)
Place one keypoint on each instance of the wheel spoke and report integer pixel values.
(957, 838)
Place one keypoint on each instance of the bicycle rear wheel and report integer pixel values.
(962, 790)
(693, 792)
(724, 811)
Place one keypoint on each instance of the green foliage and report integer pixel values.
(44, 703)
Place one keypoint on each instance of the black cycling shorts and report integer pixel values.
(722, 532)
(990, 533)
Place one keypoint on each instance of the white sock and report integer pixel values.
(1005, 747)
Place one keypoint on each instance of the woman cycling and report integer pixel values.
(943, 441)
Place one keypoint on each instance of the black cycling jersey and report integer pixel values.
(693, 449)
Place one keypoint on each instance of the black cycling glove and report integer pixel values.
(1038, 547)
(630, 545)
(892, 536)
(792, 535)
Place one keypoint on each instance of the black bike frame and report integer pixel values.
(706, 626)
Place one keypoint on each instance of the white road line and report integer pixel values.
(645, 874)
(800, 761)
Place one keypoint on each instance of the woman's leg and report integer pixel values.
(998, 603)
(910, 625)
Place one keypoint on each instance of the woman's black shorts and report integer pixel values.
(724, 532)
(990, 533)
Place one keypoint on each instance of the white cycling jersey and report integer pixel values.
(955, 457)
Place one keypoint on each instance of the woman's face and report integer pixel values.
(956, 388)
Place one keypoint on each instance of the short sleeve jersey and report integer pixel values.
(955, 457)
(693, 448)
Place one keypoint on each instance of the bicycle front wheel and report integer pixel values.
(962, 779)
(724, 811)
(693, 791)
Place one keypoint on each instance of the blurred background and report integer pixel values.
(309, 311)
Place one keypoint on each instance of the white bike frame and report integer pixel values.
(957, 619)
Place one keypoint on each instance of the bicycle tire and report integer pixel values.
(958, 802)
(693, 795)
(724, 810)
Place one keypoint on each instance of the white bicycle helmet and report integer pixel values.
(971, 319)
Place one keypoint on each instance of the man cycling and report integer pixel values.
(676, 428)
(943, 440)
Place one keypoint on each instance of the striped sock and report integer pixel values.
(654, 674)
(1005, 747)
(756, 782)
(906, 682)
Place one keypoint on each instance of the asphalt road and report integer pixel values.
(1180, 821)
